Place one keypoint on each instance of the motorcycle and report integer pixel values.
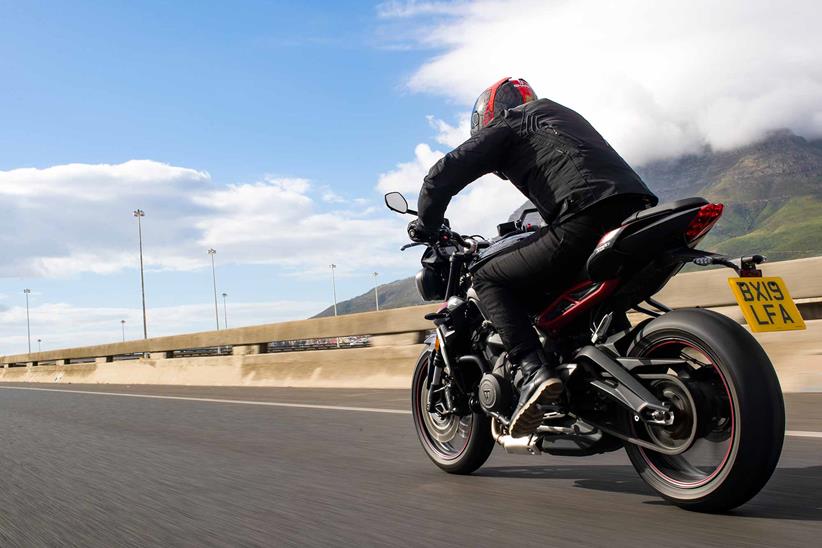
(689, 393)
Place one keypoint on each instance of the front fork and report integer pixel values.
(440, 365)
(435, 380)
(437, 365)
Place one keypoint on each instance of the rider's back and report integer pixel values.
(557, 159)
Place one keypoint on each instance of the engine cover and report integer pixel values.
(494, 393)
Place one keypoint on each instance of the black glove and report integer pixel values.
(418, 233)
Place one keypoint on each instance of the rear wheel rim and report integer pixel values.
(446, 437)
(712, 446)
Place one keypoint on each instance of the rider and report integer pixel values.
(581, 187)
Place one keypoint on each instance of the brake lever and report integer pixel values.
(415, 244)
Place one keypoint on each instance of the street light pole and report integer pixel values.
(139, 213)
(213, 252)
(123, 326)
(39, 345)
(225, 312)
(27, 292)
(334, 286)
(376, 291)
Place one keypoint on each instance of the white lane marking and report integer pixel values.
(792, 433)
(803, 434)
(215, 400)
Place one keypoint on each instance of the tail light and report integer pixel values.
(705, 219)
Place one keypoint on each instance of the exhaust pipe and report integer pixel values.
(526, 445)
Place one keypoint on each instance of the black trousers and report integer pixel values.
(546, 262)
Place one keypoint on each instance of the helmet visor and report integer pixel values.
(479, 111)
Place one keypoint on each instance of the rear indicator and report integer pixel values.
(705, 219)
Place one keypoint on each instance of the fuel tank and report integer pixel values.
(496, 248)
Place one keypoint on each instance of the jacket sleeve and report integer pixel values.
(481, 154)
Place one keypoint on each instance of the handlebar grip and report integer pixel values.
(456, 237)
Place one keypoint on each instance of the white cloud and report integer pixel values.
(69, 219)
(451, 136)
(278, 222)
(658, 78)
(96, 263)
(485, 203)
(331, 197)
(407, 176)
(96, 182)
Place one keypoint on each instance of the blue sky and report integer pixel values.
(239, 90)
(270, 130)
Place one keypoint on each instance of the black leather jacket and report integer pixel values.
(549, 152)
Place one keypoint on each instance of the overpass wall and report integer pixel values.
(394, 337)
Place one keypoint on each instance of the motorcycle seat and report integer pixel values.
(665, 208)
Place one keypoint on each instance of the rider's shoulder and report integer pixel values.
(514, 116)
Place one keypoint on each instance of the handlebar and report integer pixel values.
(470, 244)
(446, 234)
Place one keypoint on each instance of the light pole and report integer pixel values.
(139, 213)
(27, 292)
(213, 252)
(39, 345)
(123, 326)
(376, 291)
(225, 312)
(334, 286)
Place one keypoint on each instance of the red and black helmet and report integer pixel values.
(507, 93)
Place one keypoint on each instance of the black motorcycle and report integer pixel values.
(689, 393)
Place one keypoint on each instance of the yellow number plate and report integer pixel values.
(766, 304)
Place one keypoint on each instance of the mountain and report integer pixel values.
(392, 295)
(772, 191)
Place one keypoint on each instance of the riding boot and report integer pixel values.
(537, 384)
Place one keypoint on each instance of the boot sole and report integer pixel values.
(530, 416)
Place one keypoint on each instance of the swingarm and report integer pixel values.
(622, 386)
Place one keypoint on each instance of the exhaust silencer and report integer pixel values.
(526, 445)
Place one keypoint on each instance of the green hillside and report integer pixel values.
(772, 191)
(792, 230)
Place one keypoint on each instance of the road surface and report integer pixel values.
(310, 468)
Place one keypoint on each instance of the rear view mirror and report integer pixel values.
(396, 202)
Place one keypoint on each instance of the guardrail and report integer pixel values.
(261, 355)
(249, 340)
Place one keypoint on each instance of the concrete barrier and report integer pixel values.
(387, 322)
(394, 337)
(377, 367)
(797, 356)
(709, 288)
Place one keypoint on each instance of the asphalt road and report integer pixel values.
(84, 469)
